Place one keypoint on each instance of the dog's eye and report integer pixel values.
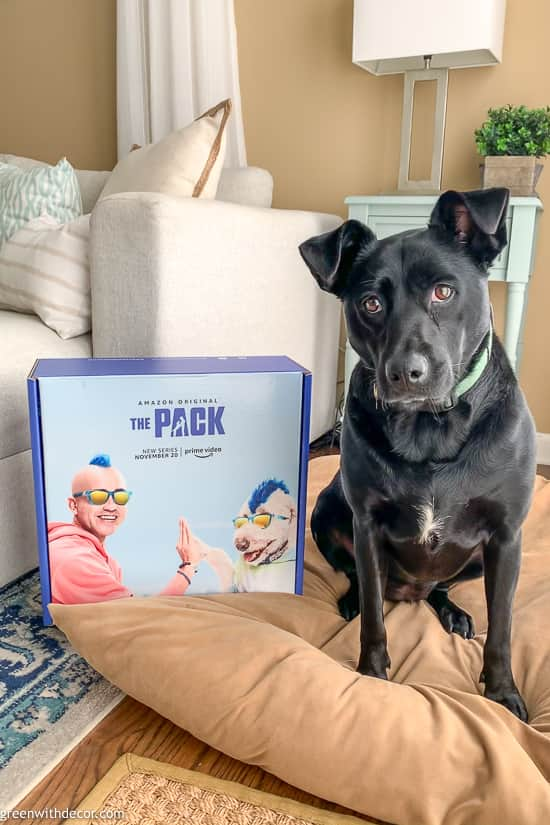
(442, 293)
(372, 304)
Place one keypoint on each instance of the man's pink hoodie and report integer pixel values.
(80, 568)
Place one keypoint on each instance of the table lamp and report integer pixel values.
(424, 39)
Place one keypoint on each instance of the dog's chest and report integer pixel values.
(430, 524)
(432, 540)
(276, 577)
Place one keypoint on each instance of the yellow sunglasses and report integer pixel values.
(260, 520)
(99, 497)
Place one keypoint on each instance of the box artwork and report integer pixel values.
(168, 476)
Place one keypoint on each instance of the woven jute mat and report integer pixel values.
(140, 790)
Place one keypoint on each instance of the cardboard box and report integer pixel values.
(221, 443)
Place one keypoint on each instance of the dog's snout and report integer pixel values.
(242, 543)
(413, 369)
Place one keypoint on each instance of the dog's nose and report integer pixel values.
(242, 544)
(411, 370)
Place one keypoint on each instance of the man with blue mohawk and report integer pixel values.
(82, 571)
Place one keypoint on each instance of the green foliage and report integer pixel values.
(515, 130)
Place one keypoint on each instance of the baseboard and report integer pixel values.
(543, 448)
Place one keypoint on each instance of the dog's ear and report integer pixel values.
(329, 256)
(476, 219)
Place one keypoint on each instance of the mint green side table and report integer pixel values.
(388, 214)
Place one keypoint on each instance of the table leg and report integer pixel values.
(515, 308)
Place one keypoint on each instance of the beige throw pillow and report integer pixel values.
(186, 163)
(44, 270)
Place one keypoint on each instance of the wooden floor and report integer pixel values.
(132, 727)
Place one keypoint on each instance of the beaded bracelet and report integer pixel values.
(185, 576)
(180, 571)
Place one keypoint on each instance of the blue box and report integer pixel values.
(221, 443)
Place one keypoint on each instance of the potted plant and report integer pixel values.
(512, 138)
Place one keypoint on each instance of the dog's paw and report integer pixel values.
(366, 670)
(510, 699)
(348, 605)
(456, 620)
(374, 661)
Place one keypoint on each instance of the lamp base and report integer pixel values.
(431, 186)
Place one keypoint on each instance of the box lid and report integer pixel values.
(67, 367)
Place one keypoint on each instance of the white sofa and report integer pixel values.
(173, 276)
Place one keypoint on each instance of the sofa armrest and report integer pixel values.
(183, 276)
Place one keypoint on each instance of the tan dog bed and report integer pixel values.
(269, 680)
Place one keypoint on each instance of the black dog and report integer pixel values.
(438, 445)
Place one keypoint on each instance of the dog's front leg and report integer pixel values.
(372, 570)
(501, 558)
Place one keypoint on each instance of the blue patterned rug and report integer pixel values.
(50, 698)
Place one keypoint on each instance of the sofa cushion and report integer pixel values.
(22, 162)
(25, 338)
(249, 186)
(91, 184)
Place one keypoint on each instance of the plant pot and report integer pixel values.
(518, 173)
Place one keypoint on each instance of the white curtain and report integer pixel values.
(175, 60)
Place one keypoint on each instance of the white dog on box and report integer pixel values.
(265, 538)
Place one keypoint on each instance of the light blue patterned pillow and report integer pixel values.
(30, 193)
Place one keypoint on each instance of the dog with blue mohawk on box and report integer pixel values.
(265, 538)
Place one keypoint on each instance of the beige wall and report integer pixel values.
(327, 129)
(324, 128)
(58, 81)
(311, 117)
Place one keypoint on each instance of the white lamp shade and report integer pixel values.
(391, 36)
